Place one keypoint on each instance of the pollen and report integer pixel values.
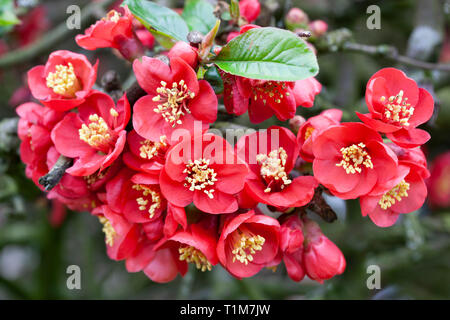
(309, 132)
(397, 109)
(93, 178)
(354, 157)
(97, 133)
(270, 90)
(245, 245)
(113, 16)
(108, 230)
(192, 255)
(173, 101)
(200, 176)
(395, 194)
(150, 149)
(63, 81)
(273, 169)
(150, 200)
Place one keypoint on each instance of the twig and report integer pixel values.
(341, 40)
(59, 33)
(321, 207)
(52, 178)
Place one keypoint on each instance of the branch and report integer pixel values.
(341, 40)
(59, 33)
(52, 178)
(321, 207)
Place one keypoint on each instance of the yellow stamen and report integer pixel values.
(113, 16)
(97, 133)
(309, 132)
(353, 157)
(149, 149)
(173, 101)
(395, 194)
(192, 255)
(63, 81)
(109, 231)
(200, 176)
(246, 246)
(397, 109)
(143, 203)
(273, 167)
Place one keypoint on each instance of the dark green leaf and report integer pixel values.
(199, 15)
(160, 20)
(215, 80)
(268, 54)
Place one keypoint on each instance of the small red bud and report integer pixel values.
(184, 51)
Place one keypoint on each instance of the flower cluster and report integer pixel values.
(168, 192)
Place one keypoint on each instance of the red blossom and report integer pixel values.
(322, 258)
(64, 82)
(312, 128)
(137, 196)
(175, 99)
(248, 242)
(184, 51)
(145, 155)
(108, 32)
(249, 9)
(439, 182)
(271, 156)
(203, 170)
(121, 236)
(95, 136)
(397, 106)
(350, 159)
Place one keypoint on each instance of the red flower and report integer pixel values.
(203, 170)
(160, 265)
(175, 98)
(34, 127)
(32, 25)
(108, 32)
(397, 106)
(249, 9)
(64, 82)
(350, 159)
(195, 245)
(184, 51)
(121, 236)
(291, 247)
(248, 242)
(439, 182)
(406, 193)
(322, 258)
(137, 196)
(267, 98)
(312, 128)
(271, 155)
(95, 136)
(145, 155)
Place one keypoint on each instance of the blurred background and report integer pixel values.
(40, 239)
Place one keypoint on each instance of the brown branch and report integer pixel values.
(52, 178)
(321, 207)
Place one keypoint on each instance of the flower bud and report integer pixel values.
(322, 258)
(249, 9)
(438, 184)
(184, 51)
(296, 18)
(296, 122)
(318, 28)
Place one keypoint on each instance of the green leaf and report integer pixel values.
(7, 15)
(234, 10)
(199, 16)
(268, 54)
(215, 80)
(159, 20)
